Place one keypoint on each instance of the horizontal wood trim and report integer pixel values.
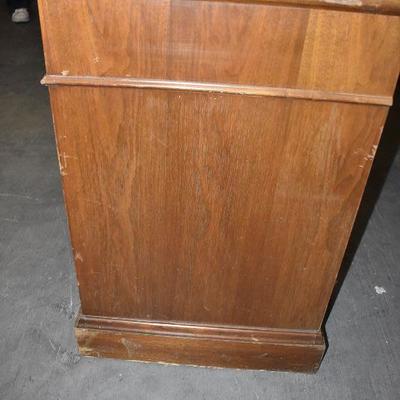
(216, 87)
(217, 346)
(243, 334)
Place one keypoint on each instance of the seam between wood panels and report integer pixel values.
(266, 91)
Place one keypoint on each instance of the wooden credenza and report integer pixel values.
(213, 157)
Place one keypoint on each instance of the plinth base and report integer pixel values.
(201, 345)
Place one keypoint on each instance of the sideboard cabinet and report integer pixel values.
(213, 156)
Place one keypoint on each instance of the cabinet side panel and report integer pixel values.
(210, 208)
(225, 42)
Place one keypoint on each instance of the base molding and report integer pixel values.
(201, 345)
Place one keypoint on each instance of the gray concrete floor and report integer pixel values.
(38, 295)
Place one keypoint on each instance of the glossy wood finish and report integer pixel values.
(213, 157)
(222, 42)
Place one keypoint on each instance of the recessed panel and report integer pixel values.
(211, 208)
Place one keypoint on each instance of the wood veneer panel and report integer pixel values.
(210, 208)
(208, 41)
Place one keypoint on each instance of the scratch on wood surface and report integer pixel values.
(61, 166)
(88, 351)
(130, 346)
(371, 155)
(62, 161)
(78, 256)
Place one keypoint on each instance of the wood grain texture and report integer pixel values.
(210, 208)
(215, 87)
(223, 42)
(194, 345)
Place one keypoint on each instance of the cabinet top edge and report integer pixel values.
(387, 7)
